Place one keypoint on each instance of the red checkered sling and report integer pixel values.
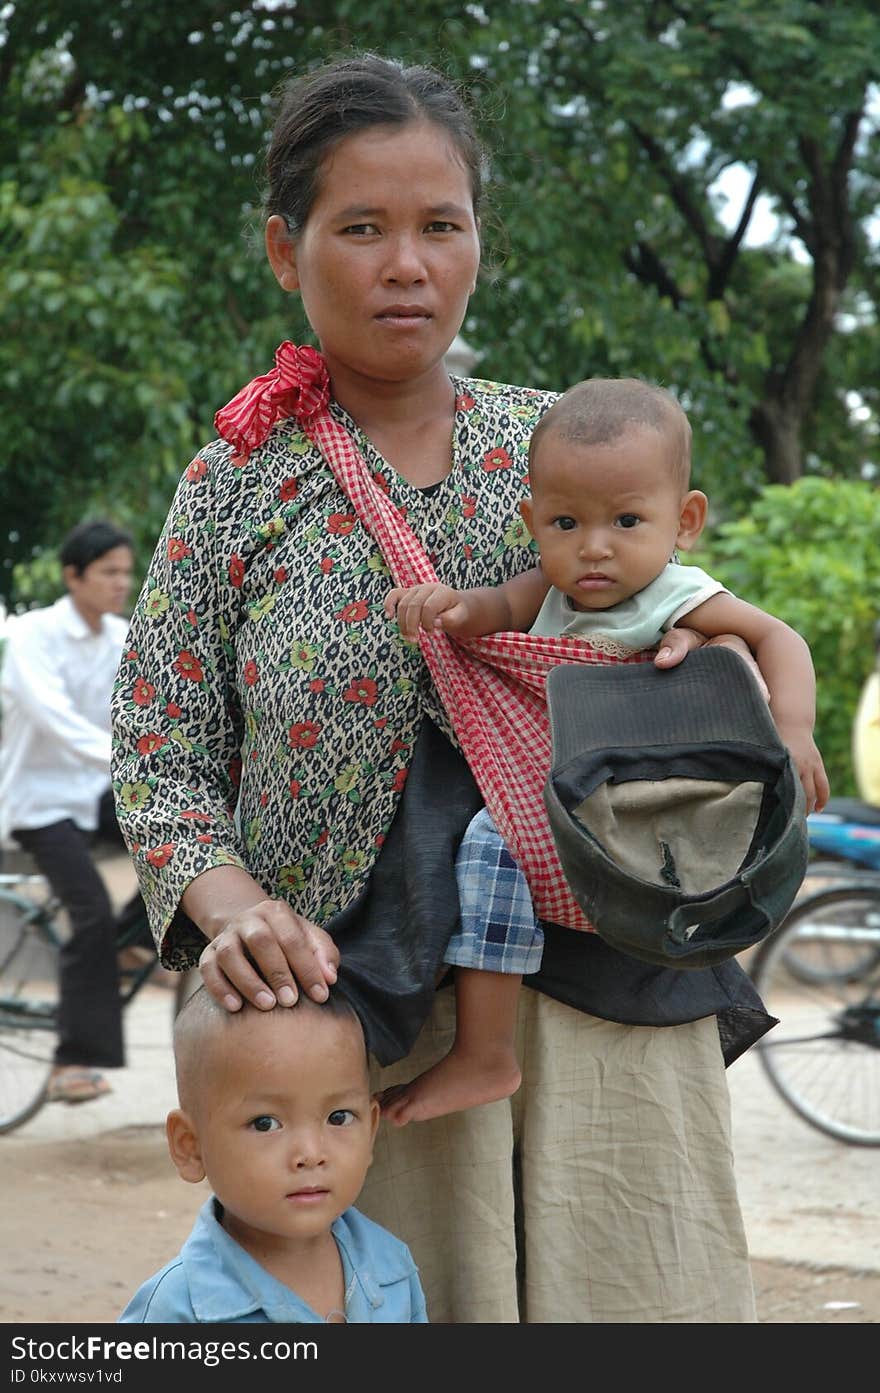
(494, 687)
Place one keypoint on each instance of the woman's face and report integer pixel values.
(389, 254)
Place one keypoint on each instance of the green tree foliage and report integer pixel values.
(133, 303)
(95, 388)
(809, 554)
(618, 124)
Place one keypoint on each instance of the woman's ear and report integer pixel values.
(183, 1145)
(281, 251)
(691, 519)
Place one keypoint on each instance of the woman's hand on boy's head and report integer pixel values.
(266, 954)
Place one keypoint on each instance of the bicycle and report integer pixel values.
(844, 843)
(820, 974)
(31, 936)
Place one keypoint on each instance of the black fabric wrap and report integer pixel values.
(393, 937)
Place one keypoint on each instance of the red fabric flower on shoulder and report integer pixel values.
(298, 385)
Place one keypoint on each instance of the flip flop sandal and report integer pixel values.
(75, 1084)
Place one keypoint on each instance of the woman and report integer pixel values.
(291, 794)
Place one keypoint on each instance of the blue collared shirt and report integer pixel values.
(213, 1279)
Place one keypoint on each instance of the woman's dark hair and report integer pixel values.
(89, 541)
(319, 109)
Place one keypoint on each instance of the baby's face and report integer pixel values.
(286, 1124)
(605, 517)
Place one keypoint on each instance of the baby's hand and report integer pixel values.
(808, 763)
(675, 645)
(426, 607)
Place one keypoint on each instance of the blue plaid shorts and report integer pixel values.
(499, 931)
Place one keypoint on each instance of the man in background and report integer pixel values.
(56, 676)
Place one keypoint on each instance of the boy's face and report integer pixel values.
(285, 1124)
(607, 518)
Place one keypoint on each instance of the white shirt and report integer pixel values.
(56, 677)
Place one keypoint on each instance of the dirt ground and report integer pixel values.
(76, 1253)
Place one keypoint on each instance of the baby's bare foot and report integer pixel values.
(459, 1081)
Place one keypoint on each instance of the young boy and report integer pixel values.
(609, 471)
(275, 1109)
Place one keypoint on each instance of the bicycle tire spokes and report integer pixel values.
(819, 973)
(31, 937)
(28, 1008)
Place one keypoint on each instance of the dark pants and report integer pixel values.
(90, 1014)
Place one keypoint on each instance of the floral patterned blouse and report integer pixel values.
(265, 709)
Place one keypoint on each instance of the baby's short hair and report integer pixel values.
(598, 410)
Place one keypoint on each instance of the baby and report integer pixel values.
(275, 1110)
(611, 503)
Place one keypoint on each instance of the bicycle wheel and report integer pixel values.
(28, 1008)
(827, 872)
(824, 958)
(824, 1056)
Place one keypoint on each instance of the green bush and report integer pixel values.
(810, 553)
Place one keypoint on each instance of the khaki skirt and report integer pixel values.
(603, 1191)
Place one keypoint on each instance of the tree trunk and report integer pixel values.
(825, 225)
(778, 432)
